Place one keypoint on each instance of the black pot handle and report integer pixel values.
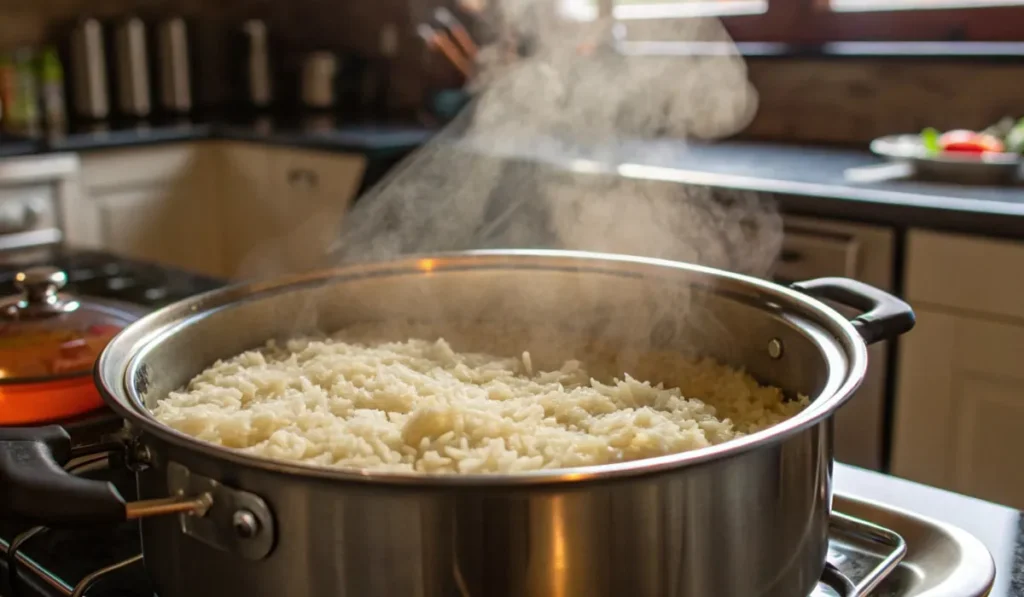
(883, 316)
(34, 488)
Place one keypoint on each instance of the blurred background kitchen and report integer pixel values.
(154, 148)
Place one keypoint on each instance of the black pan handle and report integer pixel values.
(883, 316)
(34, 488)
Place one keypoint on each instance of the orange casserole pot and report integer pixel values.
(49, 341)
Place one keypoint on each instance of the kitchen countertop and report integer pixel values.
(809, 180)
(806, 180)
(1001, 529)
(377, 140)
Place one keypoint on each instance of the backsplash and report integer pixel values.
(295, 26)
(820, 100)
(856, 100)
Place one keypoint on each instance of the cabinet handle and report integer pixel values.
(19, 218)
(303, 177)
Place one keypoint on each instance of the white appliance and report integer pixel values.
(815, 248)
(34, 193)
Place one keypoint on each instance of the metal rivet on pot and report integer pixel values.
(141, 454)
(138, 457)
(775, 348)
(245, 523)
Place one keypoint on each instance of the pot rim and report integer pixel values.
(114, 374)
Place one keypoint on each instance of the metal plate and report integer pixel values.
(237, 522)
(990, 168)
(941, 560)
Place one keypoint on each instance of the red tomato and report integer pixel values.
(969, 142)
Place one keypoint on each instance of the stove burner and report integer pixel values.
(103, 275)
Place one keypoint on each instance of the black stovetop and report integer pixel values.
(100, 274)
(67, 556)
(70, 555)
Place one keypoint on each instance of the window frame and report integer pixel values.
(810, 22)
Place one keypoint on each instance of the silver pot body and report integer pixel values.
(744, 519)
(752, 525)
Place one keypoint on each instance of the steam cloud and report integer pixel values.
(488, 180)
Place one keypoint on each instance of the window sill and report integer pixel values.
(986, 51)
(845, 6)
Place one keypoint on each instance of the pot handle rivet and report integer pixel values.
(245, 523)
(775, 348)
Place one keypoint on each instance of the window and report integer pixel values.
(893, 5)
(821, 21)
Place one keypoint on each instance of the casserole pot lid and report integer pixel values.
(46, 333)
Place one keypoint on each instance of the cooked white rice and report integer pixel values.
(419, 406)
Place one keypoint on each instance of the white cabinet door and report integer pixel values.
(155, 204)
(960, 406)
(250, 212)
(287, 207)
(146, 223)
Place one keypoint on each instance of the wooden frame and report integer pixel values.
(811, 22)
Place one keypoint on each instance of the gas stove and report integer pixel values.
(104, 275)
(108, 276)
(68, 556)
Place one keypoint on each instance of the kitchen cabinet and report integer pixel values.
(316, 190)
(818, 248)
(220, 208)
(285, 206)
(246, 202)
(959, 412)
(156, 204)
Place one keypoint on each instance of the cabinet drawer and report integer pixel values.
(810, 254)
(26, 208)
(134, 167)
(336, 175)
(968, 273)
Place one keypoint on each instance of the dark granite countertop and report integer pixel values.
(826, 182)
(377, 140)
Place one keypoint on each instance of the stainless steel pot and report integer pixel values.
(746, 518)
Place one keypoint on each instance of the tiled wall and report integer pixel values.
(839, 100)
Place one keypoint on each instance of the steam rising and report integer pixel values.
(546, 157)
(532, 162)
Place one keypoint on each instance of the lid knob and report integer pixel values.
(40, 284)
(41, 289)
